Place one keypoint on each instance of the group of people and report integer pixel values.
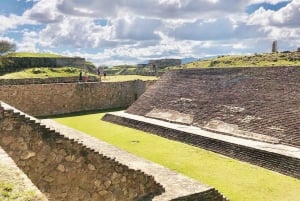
(99, 74)
(85, 76)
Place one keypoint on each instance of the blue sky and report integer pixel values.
(110, 32)
(267, 6)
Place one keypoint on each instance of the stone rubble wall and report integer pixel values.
(61, 98)
(64, 169)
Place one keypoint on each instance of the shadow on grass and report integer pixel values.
(82, 113)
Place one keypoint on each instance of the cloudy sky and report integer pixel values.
(133, 31)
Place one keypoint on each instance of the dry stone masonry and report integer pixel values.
(257, 103)
(71, 166)
(64, 169)
(59, 98)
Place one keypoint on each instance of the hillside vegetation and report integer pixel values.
(43, 73)
(256, 60)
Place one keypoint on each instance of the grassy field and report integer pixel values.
(68, 72)
(256, 60)
(43, 73)
(237, 180)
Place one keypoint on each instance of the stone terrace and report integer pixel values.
(257, 103)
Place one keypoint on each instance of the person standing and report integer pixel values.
(80, 76)
(99, 73)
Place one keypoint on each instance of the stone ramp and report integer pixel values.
(177, 186)
(259, 103)
(277, 157)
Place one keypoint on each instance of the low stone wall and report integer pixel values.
(45, 80)
(281, 163)
(61, 98)
(64, 169)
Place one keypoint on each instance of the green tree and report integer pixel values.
(6, 47)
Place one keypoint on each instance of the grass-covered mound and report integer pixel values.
(255, 60)
(42, 73)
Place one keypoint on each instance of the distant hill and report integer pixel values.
(256, 60)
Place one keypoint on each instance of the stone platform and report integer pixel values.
(277, 157)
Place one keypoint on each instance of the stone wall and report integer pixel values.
(11, 64)
(277, 162)
(45, 80)
(64, 169)
(61, 98)
(259, 103)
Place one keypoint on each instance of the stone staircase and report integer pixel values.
(261, 101)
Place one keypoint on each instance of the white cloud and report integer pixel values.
(74, 32)
(28, 43)
(44, 12)
(12, 21)
(135, 30)
(287, 16)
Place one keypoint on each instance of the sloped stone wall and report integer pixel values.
(262, 102)
(61, 98)
(64, 169)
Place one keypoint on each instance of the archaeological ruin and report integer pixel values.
(251, 114)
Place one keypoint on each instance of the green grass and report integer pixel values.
(13, 188)
(237, 180)
(256, 60)
(68, 72)
(9, 192)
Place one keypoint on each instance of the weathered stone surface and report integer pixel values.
(27, 155)
(61, 168)
(258, 102)
(70, 97)
(74, 177)
(6, 140)
(91, 167)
